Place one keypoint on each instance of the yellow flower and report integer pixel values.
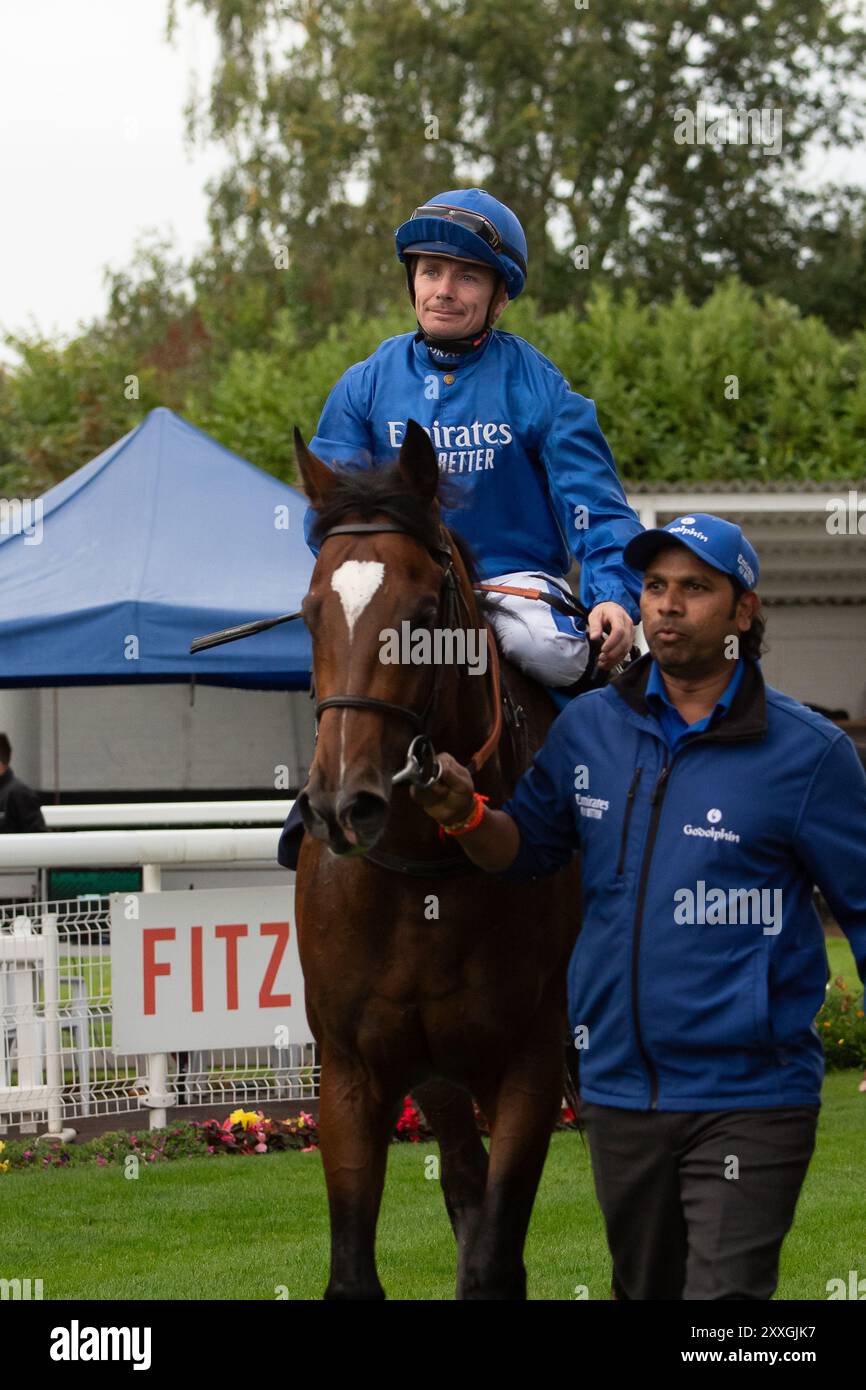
(244, 1118)
(2, 1145)
(827, 1025)
(4, 1167)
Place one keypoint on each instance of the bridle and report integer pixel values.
(451, 600)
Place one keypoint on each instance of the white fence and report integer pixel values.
(57, 1064)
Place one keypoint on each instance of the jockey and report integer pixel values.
(534, 481)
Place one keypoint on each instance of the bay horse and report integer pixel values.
(423, 975)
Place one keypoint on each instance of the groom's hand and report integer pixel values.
(451, 797)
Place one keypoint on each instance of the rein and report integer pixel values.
(561, 602)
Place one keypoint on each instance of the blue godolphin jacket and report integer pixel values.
(532, 478)
(700, 965)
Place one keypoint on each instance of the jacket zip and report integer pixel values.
(656, 805)
(709, 736)
(629, 807)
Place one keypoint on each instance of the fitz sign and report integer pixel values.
(209, 969)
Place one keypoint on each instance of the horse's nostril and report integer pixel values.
(314, 821)
(364, 815)
(304, 811)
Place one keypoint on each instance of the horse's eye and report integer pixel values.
(310, 609)
(424, 615)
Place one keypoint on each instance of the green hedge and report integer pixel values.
(658, 374)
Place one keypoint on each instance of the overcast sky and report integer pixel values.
(92, 140)
(93, 153)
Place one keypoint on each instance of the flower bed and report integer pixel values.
(841, 1024)
(242, 1132)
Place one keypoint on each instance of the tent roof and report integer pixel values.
(163, 537)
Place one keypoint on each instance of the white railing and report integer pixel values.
(57, 1063)
(24, 859)
(30, 1025)
(104, 847)
(121, 815)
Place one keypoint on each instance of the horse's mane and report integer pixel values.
(372, 492)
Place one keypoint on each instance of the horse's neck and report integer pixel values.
(461, 729)
(528, 714)
(467, 718)
(467, 713)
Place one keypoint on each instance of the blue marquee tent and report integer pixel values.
(163, 537)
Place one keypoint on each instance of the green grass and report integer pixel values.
(841, 959)
(239, 1228)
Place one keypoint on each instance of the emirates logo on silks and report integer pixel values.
(471, 447)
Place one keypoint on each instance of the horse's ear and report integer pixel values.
(317, 478)
(417, 462)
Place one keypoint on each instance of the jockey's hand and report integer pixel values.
(451, 798)
(610, 620)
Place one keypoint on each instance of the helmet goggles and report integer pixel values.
(474, 222)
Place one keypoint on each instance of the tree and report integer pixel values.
(68, 400)
(342, 115)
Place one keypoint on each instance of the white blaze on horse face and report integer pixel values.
(356, 581)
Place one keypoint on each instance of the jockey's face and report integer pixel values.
(451, 296)
(688, 611)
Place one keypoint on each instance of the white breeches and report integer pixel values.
(545, 644)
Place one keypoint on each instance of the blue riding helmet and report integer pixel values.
(468, 223)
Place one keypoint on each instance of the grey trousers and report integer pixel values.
(697, 1203)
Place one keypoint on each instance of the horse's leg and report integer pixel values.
(355, 1124)
(522, 1113)
(463, 1175)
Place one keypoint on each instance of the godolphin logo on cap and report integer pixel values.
(718, 542)
(685, 526)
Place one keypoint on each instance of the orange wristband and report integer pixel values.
(472, 821)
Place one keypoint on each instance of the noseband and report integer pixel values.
(450, 600)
